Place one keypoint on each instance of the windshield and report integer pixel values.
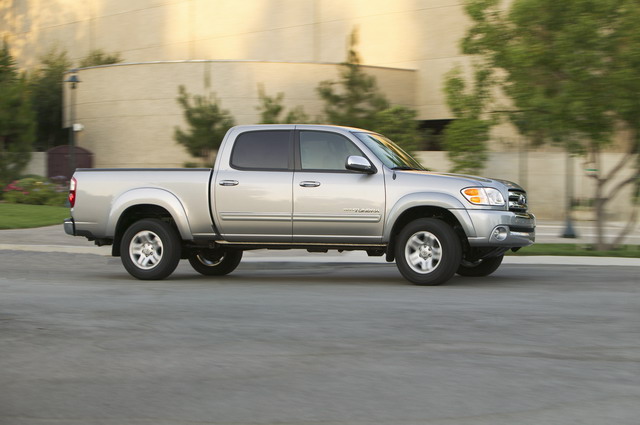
(388, 152)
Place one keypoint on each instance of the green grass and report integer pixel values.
(567, 249)
(23, 216)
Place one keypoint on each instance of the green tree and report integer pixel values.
(17, 124)
(207, 124)
(465, 139)
(400, 125)
(570, 69)
(271, 110)
(45, 84)
(98, 57)
(356, 101)
(46, 87)
(353, 100)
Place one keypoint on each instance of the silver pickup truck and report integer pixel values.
(312, 187)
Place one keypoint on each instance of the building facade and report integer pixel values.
(228, 47)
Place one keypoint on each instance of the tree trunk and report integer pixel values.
(599, 207)
(601, 200)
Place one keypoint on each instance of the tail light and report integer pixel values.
(72, 191)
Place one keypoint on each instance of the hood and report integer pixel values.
(473, 180)
(484, 180)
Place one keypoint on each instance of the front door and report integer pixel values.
(330, 203)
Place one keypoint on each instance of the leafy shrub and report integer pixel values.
(35, 191)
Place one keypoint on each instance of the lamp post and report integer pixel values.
(73, 80)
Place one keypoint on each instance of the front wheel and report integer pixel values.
(150, 249)
(480, 268)
(214, 262)
(428, 252)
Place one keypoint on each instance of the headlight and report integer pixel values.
(483, 196)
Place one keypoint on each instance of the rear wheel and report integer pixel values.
(480, 268)
(150, 249)
(428, 252)
(215, 262)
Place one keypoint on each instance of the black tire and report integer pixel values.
(150, 249)
(480, 268)
(214, 262)
(428, 252)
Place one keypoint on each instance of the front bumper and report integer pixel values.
(502, 229)
(69, 226)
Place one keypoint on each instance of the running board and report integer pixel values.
(306, 245)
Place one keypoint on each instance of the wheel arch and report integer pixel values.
(138, 204)
(427, 205)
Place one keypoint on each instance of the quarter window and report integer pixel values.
(262, 150)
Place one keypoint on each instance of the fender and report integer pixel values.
(149, 196)
(429, 199)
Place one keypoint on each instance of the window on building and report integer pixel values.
(432, 133)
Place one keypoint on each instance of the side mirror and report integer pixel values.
(360, 164)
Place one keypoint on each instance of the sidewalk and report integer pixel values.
(53, 239)
(551, 232)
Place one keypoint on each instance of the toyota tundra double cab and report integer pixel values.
(310, 187)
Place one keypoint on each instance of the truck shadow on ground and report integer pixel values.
(343, 274)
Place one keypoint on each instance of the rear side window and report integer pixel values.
(262, 150)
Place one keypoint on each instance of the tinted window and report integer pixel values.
(262, 150)
(325, 151)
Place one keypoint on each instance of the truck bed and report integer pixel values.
(99, 191)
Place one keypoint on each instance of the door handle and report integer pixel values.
(228, 182)
(308, 183)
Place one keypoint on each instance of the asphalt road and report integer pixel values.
(315, 344)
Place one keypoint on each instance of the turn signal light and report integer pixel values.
(472, 194)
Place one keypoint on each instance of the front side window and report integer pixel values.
(325, 151)
(262, 150)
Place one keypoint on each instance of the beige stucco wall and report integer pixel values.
(129, 111)
(37, 164)
(414, 34)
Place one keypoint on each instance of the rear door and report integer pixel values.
(330, 203)
(252, 195)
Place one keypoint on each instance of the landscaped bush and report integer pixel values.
(35, 191)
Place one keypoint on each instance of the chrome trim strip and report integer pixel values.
(352, 218)
(333, 237)
(247, 216)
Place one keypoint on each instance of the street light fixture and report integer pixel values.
(73, 80)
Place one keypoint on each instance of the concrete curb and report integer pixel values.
(299, 256)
